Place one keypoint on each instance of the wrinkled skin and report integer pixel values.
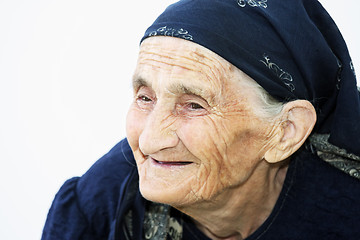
(201, 142)
(192, 125)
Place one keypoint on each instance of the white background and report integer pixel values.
(65, 71)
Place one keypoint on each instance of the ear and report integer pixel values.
(297, 119)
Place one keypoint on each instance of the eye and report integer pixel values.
(144, 98)
(191, 105)
(195, 106)
(192, 108)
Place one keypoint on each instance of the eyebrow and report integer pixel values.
(182, 89)
(139, 82)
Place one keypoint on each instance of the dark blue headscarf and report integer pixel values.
(293, 49)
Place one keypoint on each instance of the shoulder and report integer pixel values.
(320, 178)
(110, 170)
(322, 201)
(99, 189)
(318, 201)
(85, 207)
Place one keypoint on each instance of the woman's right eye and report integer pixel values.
(144, 98)
(144, 102)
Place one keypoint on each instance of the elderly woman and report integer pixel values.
(241, 111)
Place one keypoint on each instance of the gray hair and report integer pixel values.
(270, 107)
(267, 106)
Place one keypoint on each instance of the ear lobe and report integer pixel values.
(297, 119)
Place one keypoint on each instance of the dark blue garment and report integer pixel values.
(293, 49)
(87, 207)
(316, 202)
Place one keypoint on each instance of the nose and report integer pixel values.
(159, 132)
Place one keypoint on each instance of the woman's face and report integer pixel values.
(191, 125)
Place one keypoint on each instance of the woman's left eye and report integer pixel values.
(192, 106)
(195, 106)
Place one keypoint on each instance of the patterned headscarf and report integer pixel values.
(293, 49)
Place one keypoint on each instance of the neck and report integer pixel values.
(238, 212)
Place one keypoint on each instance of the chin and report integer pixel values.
(173, 194)
(159, 194)
(172, 185)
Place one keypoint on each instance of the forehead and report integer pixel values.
(170, 48)
(181, 58)
(177, 66)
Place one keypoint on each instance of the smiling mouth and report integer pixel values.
(170, 163)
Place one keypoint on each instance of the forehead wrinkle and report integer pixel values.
(153, 57)
(189, 57)
(196, 59)
(153, 62)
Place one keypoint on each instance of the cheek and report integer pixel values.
(204, 139)
(198, 136)
(209, 137)
(227, 150)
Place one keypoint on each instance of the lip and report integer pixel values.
(169, 163)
